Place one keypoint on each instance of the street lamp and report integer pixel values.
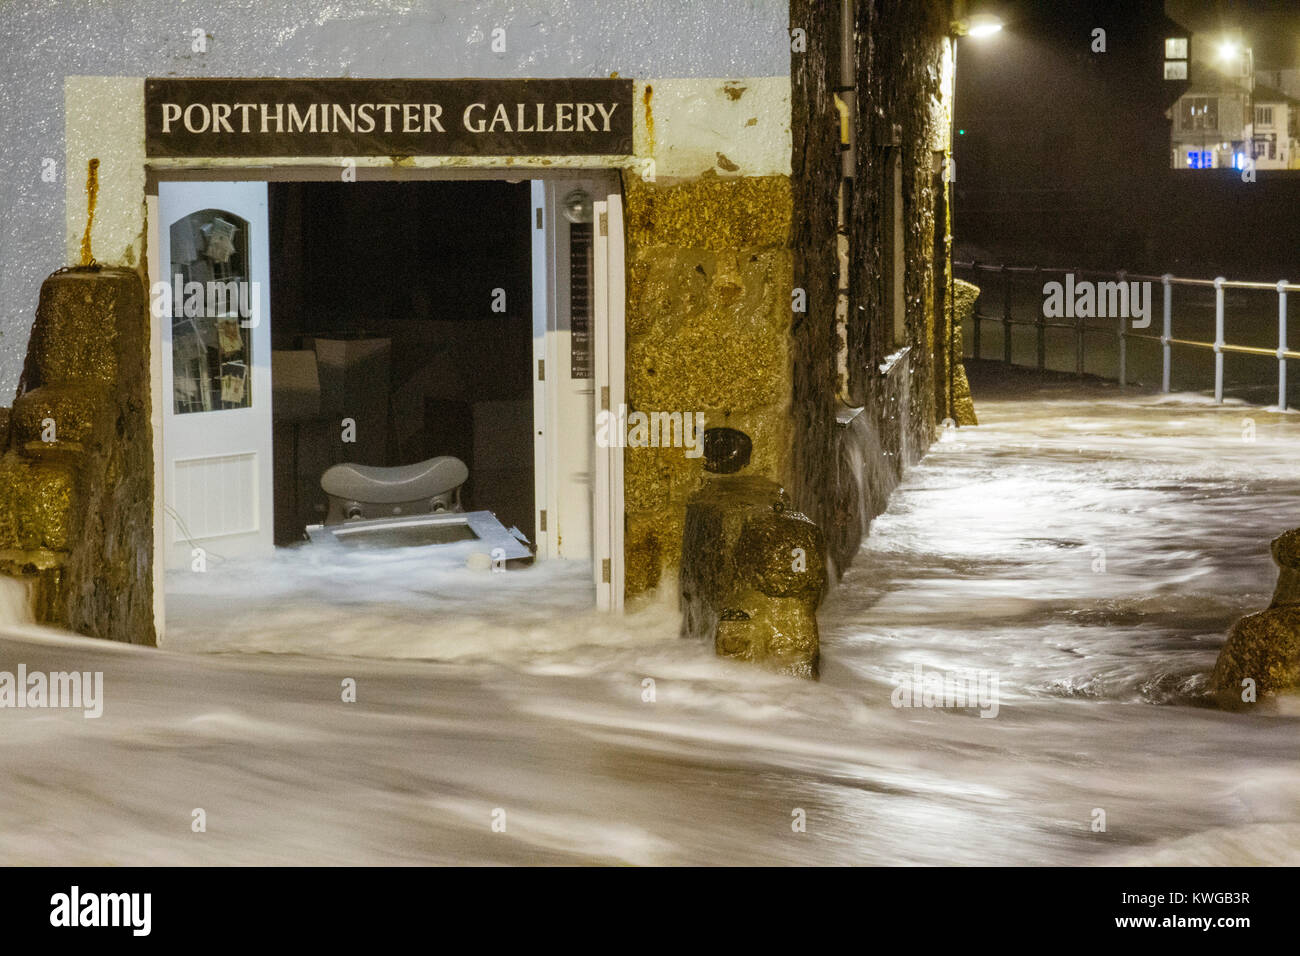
(983, 25)
(977, 25)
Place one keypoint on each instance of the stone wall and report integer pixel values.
(708, 318)
(815, 172)
(76, 476)
(850, 432)
(753, 573)
(1261, 657)
(843, 475)
(900, 63)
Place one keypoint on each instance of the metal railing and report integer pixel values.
(1121, 333)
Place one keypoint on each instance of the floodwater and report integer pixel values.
(1087, 549)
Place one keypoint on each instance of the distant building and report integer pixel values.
(1288, 81)
(1277, 125)
(1228, 113)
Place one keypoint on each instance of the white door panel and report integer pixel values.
(216, 369)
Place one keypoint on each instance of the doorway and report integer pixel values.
(401, 332)
(385, 323)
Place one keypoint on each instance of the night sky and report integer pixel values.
(1064, 151)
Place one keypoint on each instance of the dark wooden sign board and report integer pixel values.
(352, 118)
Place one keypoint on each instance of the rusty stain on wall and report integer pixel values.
(649, 120)
(92, 193)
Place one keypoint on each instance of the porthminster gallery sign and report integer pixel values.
(347, 117)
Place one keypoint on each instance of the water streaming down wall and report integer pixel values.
(873, 468)
(874, 448)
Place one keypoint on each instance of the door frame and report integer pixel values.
(609, 353)
(608, 334)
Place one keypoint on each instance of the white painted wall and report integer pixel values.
(105, 120)
(690, 126)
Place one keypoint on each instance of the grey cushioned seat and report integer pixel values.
(401, 483)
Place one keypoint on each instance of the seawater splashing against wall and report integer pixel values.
(866, 465)
(15, 602)
(875, 448)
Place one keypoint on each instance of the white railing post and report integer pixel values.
(1218, 340)
(1169, 329)
(1281, 345)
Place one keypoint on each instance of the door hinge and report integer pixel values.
(541, 370)
(541, 524)
(604, 571)
(604, 224)
(604, 398)
(539, 217)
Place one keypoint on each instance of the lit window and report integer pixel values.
(1263, 116)
(1176, 48)
(1200, 159)
(1199, 112)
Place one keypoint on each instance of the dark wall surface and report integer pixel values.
(842, 476)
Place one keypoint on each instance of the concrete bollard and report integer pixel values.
(753, 574)
(1262, 653)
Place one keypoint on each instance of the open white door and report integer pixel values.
(543, 249)
(578, 346)
(216, 369)
(564, 373)
(608, 302)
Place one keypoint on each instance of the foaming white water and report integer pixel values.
(15, 603)
(1125, 535)
(419, 602)
(617, 742)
